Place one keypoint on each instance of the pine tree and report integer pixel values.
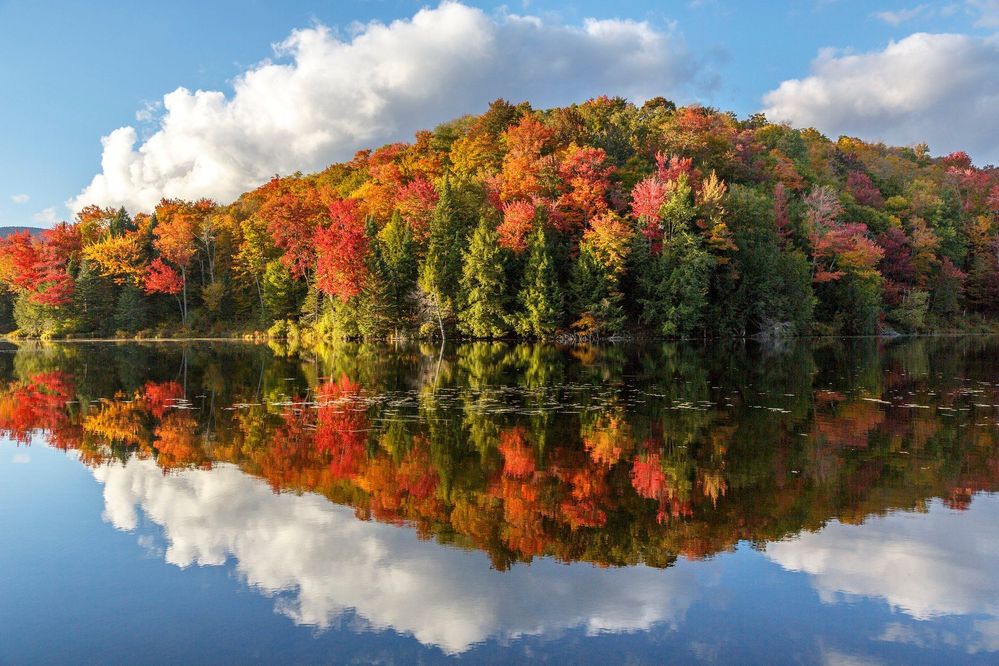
(441, 271)
(93, 301)
(121, 223)
(373, 303)
(681, 296)
(399, 256)
(130, 311)
(540, 295)
(767, 290)
(598, 304)
(482, 283)
(673, 286)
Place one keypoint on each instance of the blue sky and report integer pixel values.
(75, 72)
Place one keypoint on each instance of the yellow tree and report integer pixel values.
(120, 258)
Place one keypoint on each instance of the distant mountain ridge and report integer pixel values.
(7, 231)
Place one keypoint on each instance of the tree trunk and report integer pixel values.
(183, 309)
(440, 320)
(211, 262)
(260, 294)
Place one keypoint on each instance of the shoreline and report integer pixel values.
(607, 341)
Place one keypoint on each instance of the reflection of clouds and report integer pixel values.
(983, 635)
(322, 561)
(988, 635)
(939, 563)
(832, 657)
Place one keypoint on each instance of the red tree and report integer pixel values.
(38, 268)
(416, 201)
(864, 190)
(518, 220)
(342, 248)
(293, 212)
(585, 177)
(648, 197)
(53, 286)
(161, 278)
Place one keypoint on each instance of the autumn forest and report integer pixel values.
(590, 221)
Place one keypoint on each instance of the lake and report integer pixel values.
(826, 501)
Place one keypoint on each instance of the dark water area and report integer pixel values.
(829, 501)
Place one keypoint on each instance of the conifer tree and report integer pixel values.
(373, 303)
(482, 283)
(598, 304)
(441, 271)
(674, 284)
(540, 295)
(121, 223)
(130, 311)
(681, 294)
(399, 257)
(93, 300)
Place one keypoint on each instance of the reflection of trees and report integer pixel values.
(39, 402)
(610, 456)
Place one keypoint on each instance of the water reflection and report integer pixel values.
(321, 562)
(331, 479)
(940, 563)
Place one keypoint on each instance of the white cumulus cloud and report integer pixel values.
(20, 198)
(937, 88)
(326, 95)
(46, 216)
(320, 563)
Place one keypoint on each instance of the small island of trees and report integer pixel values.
(594, 220)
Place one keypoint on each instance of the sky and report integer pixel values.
(118, 103)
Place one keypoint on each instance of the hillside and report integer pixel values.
(595, 220)
(7, 231)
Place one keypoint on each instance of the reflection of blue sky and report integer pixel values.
(320, 562)
(926, 565)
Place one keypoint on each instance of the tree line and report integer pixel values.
(594, 220)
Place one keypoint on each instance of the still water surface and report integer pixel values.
(826, 502)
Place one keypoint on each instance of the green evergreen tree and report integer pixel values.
(121, 223)
(763, 289)
(399, 257)
(484, 313)
(851, 305)
(681, 295)
(282, 293)
(673, 286)
(375, 312)
(597, 302)
(93, 300)
(130, 310)
(440, 274)
(540, 294)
